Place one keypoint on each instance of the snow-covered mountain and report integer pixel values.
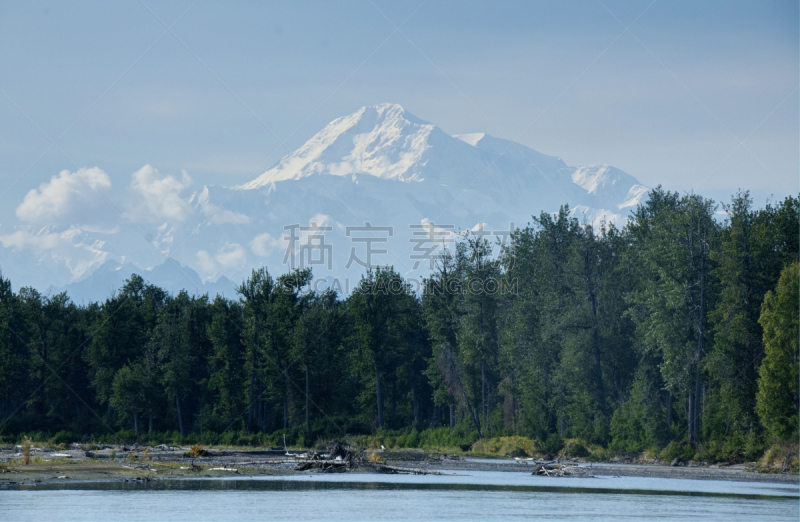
(381, 167)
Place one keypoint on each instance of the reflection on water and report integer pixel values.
(472, 496)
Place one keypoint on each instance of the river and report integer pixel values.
(475, 495)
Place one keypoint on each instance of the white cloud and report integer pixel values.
(78, 256)
(75, 197)
(304, 237)
(25, 240)
(158, 198)
(232, 255)
(206, 264)
(227, 259)
(264, 244)
(217, 214)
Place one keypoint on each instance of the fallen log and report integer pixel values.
(385, 468)
(328, 466)
(559, 470)
(95, 455)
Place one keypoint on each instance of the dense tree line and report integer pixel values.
(680, 326)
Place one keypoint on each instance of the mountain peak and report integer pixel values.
(394, 109)
(382, 140)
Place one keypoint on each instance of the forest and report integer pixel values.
(679, 329)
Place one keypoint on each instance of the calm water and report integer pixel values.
(468, 496)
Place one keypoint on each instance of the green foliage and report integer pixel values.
(639, 423)
(511, 446)
(574, 448)
(554, 444)
(781, 456)
(463, 434)
(677, 450)
(64, 437)
(754, 247)
(778, 376)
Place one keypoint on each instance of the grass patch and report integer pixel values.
(781, 457)
(511, 446)
(574, 448)
(197, 451)
(26, 452)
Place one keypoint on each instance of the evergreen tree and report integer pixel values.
(778, 376)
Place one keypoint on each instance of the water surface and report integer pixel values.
(466, 496)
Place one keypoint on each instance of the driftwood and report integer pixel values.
(325, 466)
(385, 468)
(95, 455)
(337, 460)
(340, 459)
(554, 469)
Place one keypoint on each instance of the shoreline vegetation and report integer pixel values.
(673, 340)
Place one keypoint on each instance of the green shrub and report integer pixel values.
(64, 437)
(513, 446)
(229, 438)
(209, 438)
(782, 456)
(553, 444)
(679, 450)
(124, 437)
(176, 438)
(573, 448)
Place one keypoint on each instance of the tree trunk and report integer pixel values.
(308, 418)
(380, 402)
(264, 413)
(452, 418)
(149, 422)
(258, 419)
(44, 378)
(477, 420)
(701, 314)
(252, 382)
(393, 410)
(598, 369)
(136, 422)
(669, 409)
(514, 412)
(484, 406)
(415, 404)
(180, 414)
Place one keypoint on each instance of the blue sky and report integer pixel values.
(693, 95)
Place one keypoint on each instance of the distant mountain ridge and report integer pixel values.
(108, 278)
(380, 166)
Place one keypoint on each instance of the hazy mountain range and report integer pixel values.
(380, 165)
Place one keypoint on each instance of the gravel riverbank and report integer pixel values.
(139, 464)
